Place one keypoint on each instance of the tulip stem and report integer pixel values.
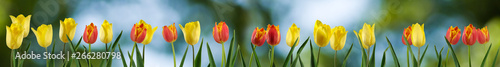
(251, 56)
(272, 57)
(173, 52)
(193, 53)
(104, 43)
(470, 65)
(408, 57)
(368, 57)
(12, 58)
(47, 59)
(223, 55)
(335, 59)
(133, 50)
(446, 59)
(89, 53)
(143, 52)
(317, 61)
(418, 63)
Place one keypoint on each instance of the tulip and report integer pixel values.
(469, 36)
(407, 35)
(23, 21)
(322, 34)
(273, 35)
(292, 35)
(149, 34)
(90, 34)
(220, 32)
(339, 37)
(106, 30)
(366, 35)
(483, 35)
(258, 36)
(453, 35)
(191, 32)
(138, 32)
(14, 37)
(43, 35)
(68, 28)
(418, 35)
(170, 33)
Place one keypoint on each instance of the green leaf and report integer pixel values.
(138, 57)
(299, 51)
(184, 56)
(423, 54)
(372, 59)
(495, 60)
(383, 58)
(256, 56)
(230, 51)
(486, 56)
(122, 57)
(21, 61)
(51, 61)
(457, 64)
(197, 61)
(285, 64)
(440, 58)
(364, 59)
(132, 63)
(312, 55)
(210, 56)
(234, 57)
(394, 56)
(408, 47)
(300, 60)
(347, 56)
(242, 59)
(72, 49)
(110, 60)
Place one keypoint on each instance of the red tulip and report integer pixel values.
(273, 35)
(259, 36)
(138, 32)
(220, 32)
(90, 34)
(407, 35)
(453, 35)
(170, 33)
(483, 35)
(469, 36)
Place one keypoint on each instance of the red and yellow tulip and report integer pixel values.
(139, 32)
(273, 35)
(259, 36)
(220, 32)
(469, 37)
(90, 33)
(169, 33)
(483, 35)
(407, 35)
(453, 35)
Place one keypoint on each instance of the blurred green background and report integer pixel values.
(242, 16)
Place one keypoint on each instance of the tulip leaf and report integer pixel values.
(423, 54)
(78, 44)
(132, 63)
(364, 57)
(21, 61)
(440, 57)
(495, 60)
(255, 55)
(453, 53)
(299, 51)
(486, 56)
(347, 56)
(408, 47)
(312, 55)
(113, 46)
(72, 49)
(290, 53)
(184, 56)
(300, 60)
(138, 57)
(372, 59)
(383, 58)
(197, 61)
(394, 56)
(235, 55)
(242, 59)
(230, 51)
(210, 56)
(122, 57)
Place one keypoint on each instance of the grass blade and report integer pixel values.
(394, 56)
(457, 64)
(290, 53)
(210, 56)
(256, 56)
(347, 56)
(423, 54)
(312, 55)
(383, 58)
(198, 55)
(486, 56)
(184, 56)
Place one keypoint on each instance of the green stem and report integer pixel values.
(418, 63)
(47, 58)
(173, 51)
(272, 57)
(317, 61)
(470, 65)
(223, 55)
(250, 63)
(88, 53)
(446, 59)
(106, 47)
(368, 57)
(193, 53)
(143, 52)
(408, 57)
(12, 58)
(133, 51)
(335, 58)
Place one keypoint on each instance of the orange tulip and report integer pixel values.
(273, 35)
(220, 32)
(170, 33)
(453, 35)
(90, 34)
(469, 36)
(259, 36)
(407, 35)
(483, 35)
(138, 32)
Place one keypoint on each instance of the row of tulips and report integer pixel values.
(323, 35)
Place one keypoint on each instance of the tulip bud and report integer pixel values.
(191, 32)
(418, 35)
(292, 35)
(483, 35)
(407, 35)
(259, 36)
(138, 32)
(220, 32)
(469, 37)
(322, 33)
(90, 34)
(43, 35)
(273, 35)
(68, 29)
(106, 30)
(14, 37)
(337, 41)
(170, 33)
(453, 35)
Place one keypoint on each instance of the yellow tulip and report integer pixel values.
(322, 34)
(338, 38)
(366, 35)
(68, 28)
(191, 32)
(106, 32)
(43, 35)
(14, 35)
(418, 35)
(23, 21)
(149, 33)
(292, 35)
